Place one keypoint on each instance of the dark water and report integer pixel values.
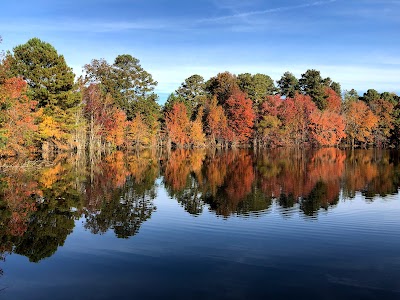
(203, 225)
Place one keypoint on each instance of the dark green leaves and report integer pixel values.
(45, 71)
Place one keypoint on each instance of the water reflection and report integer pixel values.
(40, 204)
(183, 178)
(120, 194)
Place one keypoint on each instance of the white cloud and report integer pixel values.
(245, 15)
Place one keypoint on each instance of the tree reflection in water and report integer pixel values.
(241, 182)
(39, 205)
(120, 196)
(183, 178)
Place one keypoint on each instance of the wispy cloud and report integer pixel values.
(243, 15)
(72, 25)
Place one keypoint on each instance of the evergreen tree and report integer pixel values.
(312, 84)
(128, 83)
(46, 72)
(371, 95)
(257, 86)
(288, 85)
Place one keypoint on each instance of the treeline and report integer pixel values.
(312, 111)
(43, 108)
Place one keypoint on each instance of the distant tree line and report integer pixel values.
(44, 109)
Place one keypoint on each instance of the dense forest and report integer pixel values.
(45, 108)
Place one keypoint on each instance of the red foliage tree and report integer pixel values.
(241, 116)
(296, 115)
(334, 102)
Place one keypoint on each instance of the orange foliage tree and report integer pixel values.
(217, 123)
(178, 124)
(138, 132)
(197, 136)
(18, 118)
(360, 122)
(327, 128)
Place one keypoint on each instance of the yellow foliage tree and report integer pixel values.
(197, 136)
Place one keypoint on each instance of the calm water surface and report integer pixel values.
(276, 224)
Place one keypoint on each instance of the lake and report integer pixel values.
(236, 224)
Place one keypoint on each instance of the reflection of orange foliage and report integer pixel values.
(217, 168)
(137, 166)
(116, 169)
(17, 196)
(177, 169)
(216, 173)
(296, 173)
(50, 175)
(384, 183)
(229, 176)
(107, 175)
(196, 159)
(240, 179)
(360, 170)
(328, 165)
(180, 164)
(141, 163)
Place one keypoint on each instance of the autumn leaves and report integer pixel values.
(113, 106)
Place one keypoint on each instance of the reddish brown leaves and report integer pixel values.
(240, 116)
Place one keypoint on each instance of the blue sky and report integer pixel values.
(355, 42)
